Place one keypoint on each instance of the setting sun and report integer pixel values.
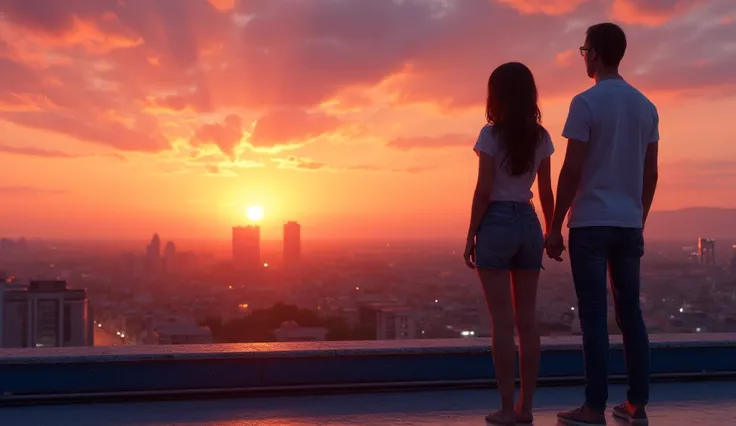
(255, 213)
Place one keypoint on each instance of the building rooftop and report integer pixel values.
(673, 404)
(422, 382)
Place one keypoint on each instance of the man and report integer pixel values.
(607, 182)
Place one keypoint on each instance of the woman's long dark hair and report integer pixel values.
(513, 111)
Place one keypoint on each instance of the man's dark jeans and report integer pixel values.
(593, 251)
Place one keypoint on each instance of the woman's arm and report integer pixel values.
(546, 196)
(482, 195)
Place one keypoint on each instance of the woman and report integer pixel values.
(505, 240)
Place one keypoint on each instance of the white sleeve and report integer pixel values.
(579, 121)
(548, 148)
(486, 142)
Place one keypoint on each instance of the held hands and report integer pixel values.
(469, 253)
(555, 245)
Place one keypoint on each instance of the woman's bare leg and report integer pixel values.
(497, 288)
(525, 309)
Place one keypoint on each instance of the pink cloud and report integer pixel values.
(178, 28)
(225, 135)
(699, 175)
(285, 126)
(549, 7)
(33, 152)
(379, 169)
(121, 73)
(650, 12)
(223, 5)
(432, 142)
(565, 58)
(296, 163)
(9, 191)
(306, 164)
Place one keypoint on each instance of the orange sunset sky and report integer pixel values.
(119, 118)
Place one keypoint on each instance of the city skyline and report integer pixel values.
(122, 117)
(234, 206)
(690, 223)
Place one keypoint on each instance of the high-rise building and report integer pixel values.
(153, 250)
(170, 249)
(44, 314)
(169, 257)
(247, 247)
(707, 251)
(153, 253)
(292, 243)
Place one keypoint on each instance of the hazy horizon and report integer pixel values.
(690, 223)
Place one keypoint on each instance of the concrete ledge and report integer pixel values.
(37, 375)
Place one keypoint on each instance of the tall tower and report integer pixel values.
(153, 253)
(707, 251)
(154, 248)
(247, 246)
(292, 243)
(169, 256)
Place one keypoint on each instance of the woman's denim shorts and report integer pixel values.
(509, 238)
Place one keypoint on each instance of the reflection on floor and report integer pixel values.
(676, 404)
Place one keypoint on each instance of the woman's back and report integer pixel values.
(506, 185)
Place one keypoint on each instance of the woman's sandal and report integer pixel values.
(492, 419)
(524, 420)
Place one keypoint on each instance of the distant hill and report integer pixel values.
(691, 223)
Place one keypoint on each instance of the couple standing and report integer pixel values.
(607, 182)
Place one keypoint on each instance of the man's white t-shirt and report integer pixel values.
(507, 187)
(618, 122)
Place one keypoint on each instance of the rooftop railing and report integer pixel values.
(188, 371)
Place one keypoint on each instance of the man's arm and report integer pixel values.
(651, 176)
(577, 131)
(546, 196)
(569, 182)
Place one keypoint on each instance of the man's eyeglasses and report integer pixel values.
(584, 50)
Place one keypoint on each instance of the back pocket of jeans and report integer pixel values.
(497, 239)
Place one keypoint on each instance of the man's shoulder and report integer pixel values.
(581, 97)
(594, 93)
(640, 102)
(648, 104)
(638, 93)
(601, 95)
(588, 98)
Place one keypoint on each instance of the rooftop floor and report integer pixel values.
(673, 404)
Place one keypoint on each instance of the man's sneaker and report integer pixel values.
(634, 414)
(582, 416)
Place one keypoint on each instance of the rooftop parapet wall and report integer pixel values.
(35, 375)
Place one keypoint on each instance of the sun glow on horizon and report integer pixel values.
(254, 213)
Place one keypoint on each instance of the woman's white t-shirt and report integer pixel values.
(505, 186)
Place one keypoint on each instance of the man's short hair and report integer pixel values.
(608, 41)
